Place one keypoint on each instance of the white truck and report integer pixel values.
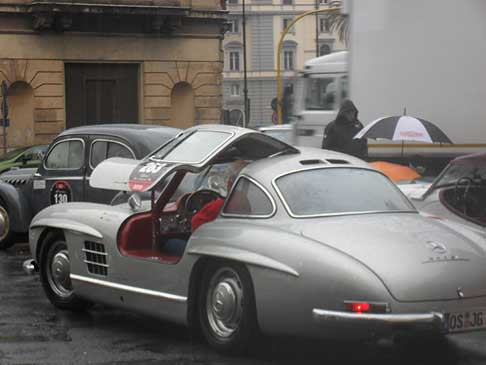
(428, 57)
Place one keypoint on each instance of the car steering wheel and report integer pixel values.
(199, 199)
(465, 182)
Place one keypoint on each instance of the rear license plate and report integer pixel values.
(466, 321)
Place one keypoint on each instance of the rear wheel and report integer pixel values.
(55, 270)
(226, 306)
(6, 234)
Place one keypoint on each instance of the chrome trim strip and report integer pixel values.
(289, 211)
(75, 178)
(66, 169)
(107, 140)
(96, 263)
(256, 216)
(94, 252)
(432, 318)
(133, 289)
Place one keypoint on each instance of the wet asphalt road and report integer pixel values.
(32, 331)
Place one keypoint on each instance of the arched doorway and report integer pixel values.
(183, 111)
(20, 100)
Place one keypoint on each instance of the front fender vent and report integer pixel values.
(95, 258)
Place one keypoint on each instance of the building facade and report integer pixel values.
(265, 21)
(113, 61)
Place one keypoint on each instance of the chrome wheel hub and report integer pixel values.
(59, 272)
(224, 303)
(4, 223)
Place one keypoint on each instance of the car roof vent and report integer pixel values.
(337, 161)
(311, 162)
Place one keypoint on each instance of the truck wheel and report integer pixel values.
(6, 234)
(55, 270)
(226, 307)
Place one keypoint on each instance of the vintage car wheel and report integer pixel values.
(227, 312)
(6, 234)
(55, 268)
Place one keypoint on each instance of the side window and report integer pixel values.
(247, 199)
(101, 150)
(98, 152)
(118, 150)
(66, 155)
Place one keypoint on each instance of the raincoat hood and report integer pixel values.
(347, 106)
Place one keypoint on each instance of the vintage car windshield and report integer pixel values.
(328, 191)
(456, 171)
(194, 149)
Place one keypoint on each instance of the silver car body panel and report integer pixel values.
(302, 270)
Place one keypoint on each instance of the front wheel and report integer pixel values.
(55, 270)
(6, 234)
(227, 312)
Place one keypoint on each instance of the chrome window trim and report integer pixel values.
(54, 146)
(251, 216)
(223, 144)
(133, 289)
(110, 141)
(293, 215)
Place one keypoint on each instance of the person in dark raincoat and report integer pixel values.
(338, 135)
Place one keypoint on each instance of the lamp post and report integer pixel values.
(317, 28)
(245, 79)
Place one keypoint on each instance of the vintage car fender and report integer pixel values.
(19, 208)
(296, 272)
(96, 220)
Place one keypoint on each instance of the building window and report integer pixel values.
(232, 1)
(234, 25)
(235, 90)
(289, 59)
(234, 60)
(324, 49)
(323, 24)
(287, 2)
(285, 24)
(323, 1)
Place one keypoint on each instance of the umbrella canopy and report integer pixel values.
(396, 172)
(404, 128)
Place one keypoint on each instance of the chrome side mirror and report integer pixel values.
(134, 202)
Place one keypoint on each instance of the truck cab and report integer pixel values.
(320, 92)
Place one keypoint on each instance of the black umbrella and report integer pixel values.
(404, 128)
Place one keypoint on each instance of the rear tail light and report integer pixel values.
(365, 307)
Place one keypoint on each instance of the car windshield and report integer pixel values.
(456, 171)
(12, 154)
(338, 190)
(193, 149)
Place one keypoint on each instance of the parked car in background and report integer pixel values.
(308, 242)
(457, 194)
(25, 157)
(64, 173)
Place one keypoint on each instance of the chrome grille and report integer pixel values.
(95, 258)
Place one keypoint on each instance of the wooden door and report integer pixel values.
(101, 93)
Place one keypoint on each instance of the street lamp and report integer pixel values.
(245, 79)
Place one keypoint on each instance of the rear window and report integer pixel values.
(247, 199)
(340, 190)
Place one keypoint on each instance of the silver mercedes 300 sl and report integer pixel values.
(308, 242)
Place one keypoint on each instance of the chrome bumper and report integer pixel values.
(432, 320)
(30, 266)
